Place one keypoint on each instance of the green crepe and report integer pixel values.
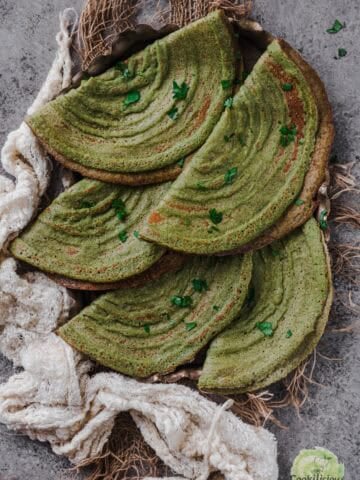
(164, 324)
(285, 315)
(127, 119)
(251, 168)
(89, 233)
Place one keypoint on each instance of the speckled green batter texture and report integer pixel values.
(140, 331)
(77, 236)
(243, 170)
(93, 126)
(291, 291)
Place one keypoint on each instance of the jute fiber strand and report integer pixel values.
(55, 398)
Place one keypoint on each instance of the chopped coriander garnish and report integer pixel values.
(298, 202)
(86, 204)
(288, 334)
(118, 204)
(123, 236)
(201, 186)
(227, 138)
(131, 97)
(337, 26)
(126, 73)
(287, 135)
(266, 328)
(213, 229)
(136, 234)
(229, 102)
(216, 308)
(199, 285)
(287, 87)
(226, 84)
(190, 326)
(181, 162)
(180, 91)
(120, 209)
(322, 220)
(230, 175)
(180, 301)
(215, 216)
(147, 328)
(342, 52)
(173, 113)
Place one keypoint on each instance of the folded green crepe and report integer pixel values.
(251, 168)
(89, 233)
(162, 325)
(282, 321)
(145, 114)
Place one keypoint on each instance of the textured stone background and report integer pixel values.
(331, 417)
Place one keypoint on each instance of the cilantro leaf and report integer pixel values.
(287, 87)
(266, 328)
(123, 68)
(136, 234)
(181, 162)
(147, 328)
(289, 334)
(123, 236)
(287, 135)
(120, 209)
(173, 113)
(323, 220)
(298, 202)
(200, 285)
(226, 84)
(229, 102)
(215, 216)
(190, 326)
(336, 27)
(230, 175)
(132, 97)
(180, 91)
(342, 52)
(180, 301)
(216, 308)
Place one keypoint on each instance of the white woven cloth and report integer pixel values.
(55, 398)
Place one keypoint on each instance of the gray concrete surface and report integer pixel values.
(331, 417)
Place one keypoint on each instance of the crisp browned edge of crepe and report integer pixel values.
(295, 216)
(169, 262)
(131, 179)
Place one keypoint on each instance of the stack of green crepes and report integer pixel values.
(197, 211)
